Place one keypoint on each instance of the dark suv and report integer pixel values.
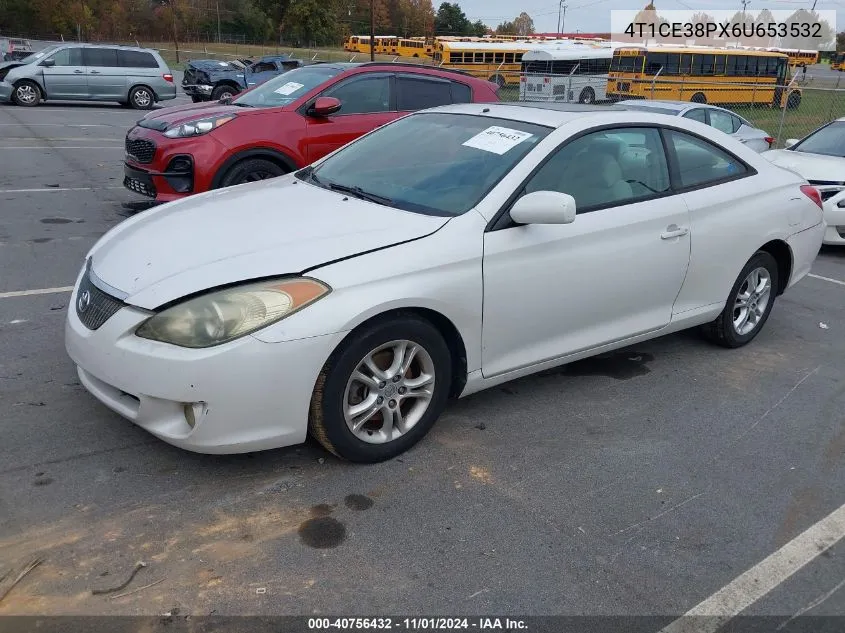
(212, 80)
(283, 124)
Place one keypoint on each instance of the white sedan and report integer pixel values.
(820, 158)
(444, 253)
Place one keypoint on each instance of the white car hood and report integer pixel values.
(276, 227)
(809, 166)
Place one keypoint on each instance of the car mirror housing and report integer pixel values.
(325, 106)
(48, 63)
(790, 142)
(544, 207)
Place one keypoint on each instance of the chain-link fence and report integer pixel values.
(783, 112)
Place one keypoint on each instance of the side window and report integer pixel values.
(737, 122)
(362, 95)
(461, 93)
(697, 114)
(263, 67)
(68, 57)
(106, 57)
(700, 162)
(418, 93)
(722, 121)
(136, 59)
(606, 168)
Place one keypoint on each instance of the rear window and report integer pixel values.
(136, 59)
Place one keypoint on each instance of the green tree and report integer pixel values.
(451, 20)
(479, 29)
(308, 22)
(506, 28)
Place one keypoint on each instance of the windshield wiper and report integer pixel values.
(241, 104)
(358, 193)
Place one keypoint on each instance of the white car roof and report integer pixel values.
(554, 114)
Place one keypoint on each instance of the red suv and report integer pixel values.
(282, 125)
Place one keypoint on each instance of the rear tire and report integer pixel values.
(223, 92)
(196, 99)
(251, 170)
(699, 97)
(27, 94)
(141, 98)
(588, 95)
(407, 408)
(745, 312)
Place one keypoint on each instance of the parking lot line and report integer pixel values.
(58, 125)
(38, 291)
(833, 281)
(749, 587)
(120, 147)
(57, 189)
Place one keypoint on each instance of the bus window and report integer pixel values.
(751, 66)
(488, 58)
(479, 58)
(500, 58)
(673, 64)
(731, 66)
(654, 62)
(719, 66)
(686, 64)
(509, 58)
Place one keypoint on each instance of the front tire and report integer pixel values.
(27, 94)
(749, 303)
(222, 92)
(251, 170)
(382, 390)
(141, 98)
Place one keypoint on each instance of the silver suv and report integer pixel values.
(137, 77)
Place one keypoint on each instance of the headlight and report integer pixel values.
(221, 316)
(198, 127)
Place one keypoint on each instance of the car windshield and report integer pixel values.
(287, 88)
(36, 56)
(830, 141)
(433, 163)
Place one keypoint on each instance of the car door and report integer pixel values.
(65, 75)
(366, 103)
(729, 216)
(106, 79)
(554, 290)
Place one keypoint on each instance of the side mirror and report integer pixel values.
(790, 142)
(544, 207)
(325, 106)
(48, 63)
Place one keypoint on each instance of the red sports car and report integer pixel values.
(282, 125)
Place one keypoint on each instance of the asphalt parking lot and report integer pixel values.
(639, 483)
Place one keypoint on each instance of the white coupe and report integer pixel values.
(820, 158)
(444, 253)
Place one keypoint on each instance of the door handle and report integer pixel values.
(673, 230)
(95, 72)
(77, 72)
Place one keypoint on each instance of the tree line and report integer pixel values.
(305, 22)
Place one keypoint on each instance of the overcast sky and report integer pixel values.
(594, 15)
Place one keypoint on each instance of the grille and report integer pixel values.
(139, 187)
(142, 149)
(93, 306)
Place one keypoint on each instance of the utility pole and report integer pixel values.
(561, 20)
(745, 3)
(372, 30)
(218, 21)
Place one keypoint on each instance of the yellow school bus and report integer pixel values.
(701, 75)
(404, 47)
(499, 62)
(837, 62)
(798, 58)
(361, 43)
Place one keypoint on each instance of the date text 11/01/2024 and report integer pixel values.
(714, 29)
(417, 624)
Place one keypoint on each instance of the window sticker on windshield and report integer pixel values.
(289, 88)
(497, 140)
